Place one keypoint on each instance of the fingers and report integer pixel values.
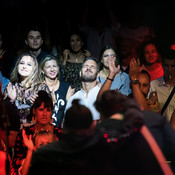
(134, 63)
(33, 97)
(24, 135)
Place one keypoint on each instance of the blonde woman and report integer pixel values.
(61, 91)
(24, 85)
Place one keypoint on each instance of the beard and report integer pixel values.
(88, 78)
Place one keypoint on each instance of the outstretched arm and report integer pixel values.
(134, 71)
(29, 143)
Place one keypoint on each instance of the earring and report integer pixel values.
(51, 120)
(34, 119)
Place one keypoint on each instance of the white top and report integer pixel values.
(163, 90)
(86, 100)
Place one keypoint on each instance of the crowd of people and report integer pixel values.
(102, 103)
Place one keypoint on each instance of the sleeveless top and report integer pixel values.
(60, 104)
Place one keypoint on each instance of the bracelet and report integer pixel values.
(109, 79)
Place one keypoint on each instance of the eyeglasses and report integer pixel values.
(109, 55)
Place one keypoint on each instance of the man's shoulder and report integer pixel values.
(157, 81)
(76, 94)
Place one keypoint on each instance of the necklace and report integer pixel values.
(48, 128)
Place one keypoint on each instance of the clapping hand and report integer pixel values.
(112, 68)
(33, 97)
(11, 91)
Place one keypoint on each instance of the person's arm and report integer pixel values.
(70, 92)
(66, 53)
(113, 71)
(29, 143)
(10, 92)
(137, 93)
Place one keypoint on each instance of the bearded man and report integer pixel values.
(90, 86)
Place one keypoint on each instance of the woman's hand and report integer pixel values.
(27, 140)
(33, 97)
(66, 53)
(113, 70)
(87, 53)
(11, 92)
(70, 92)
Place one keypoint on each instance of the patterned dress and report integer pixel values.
(71, 74)
(22, 101)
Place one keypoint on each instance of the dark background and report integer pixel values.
(15, 14)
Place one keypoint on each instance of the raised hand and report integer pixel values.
(70, 92)
(113, 70)
(33, 97)
(66, 53)
(27, 140)
(134, 68)
(11, 92)
(87, 53)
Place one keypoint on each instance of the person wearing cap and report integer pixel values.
(90, 86)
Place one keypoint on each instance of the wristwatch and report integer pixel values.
(135, 81)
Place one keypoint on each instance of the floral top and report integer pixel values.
(20, 150)
(22, 101)
(154, 105)
(71, 74)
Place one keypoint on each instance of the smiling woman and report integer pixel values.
(60, 91)
(24, 85)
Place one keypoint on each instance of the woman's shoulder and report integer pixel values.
(124, 75)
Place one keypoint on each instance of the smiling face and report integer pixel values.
(89, 71)
(43, 115)
(76, 43)
(151, 53)
(106, 55)
(51, 69)
(25, 66)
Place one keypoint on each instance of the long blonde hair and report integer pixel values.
(30, 80)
